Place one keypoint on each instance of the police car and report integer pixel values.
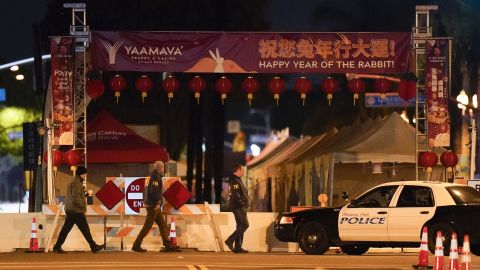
(388, 215)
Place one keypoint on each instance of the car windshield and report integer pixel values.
(464, 194)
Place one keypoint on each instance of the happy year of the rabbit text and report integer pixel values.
(326, 64)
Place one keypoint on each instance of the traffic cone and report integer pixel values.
(423, 255)
(466, 258)
(453, 258)
(173, 234)
(33, 239)
(438, 265)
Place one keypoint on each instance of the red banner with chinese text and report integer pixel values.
(437, 83)
(206, 52)
(61, 49)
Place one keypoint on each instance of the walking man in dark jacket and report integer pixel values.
(75, 208)
(239, 205)
(152, 200)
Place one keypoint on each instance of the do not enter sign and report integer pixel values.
(134, 195)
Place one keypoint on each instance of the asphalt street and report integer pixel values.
(191, 260)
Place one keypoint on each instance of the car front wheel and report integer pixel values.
(313, 238)
(354, 249)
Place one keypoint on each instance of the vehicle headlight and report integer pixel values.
(286, 220)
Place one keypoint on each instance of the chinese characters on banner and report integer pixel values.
(251, 52)
(436, 83)
(62, 89)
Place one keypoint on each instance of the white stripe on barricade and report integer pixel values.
(129, 231)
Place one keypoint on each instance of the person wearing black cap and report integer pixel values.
(75, 208)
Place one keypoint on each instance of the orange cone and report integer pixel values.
(453, 258)
(423, 255)
(466, 257)
(173, 234)
(438, 265)
(33, 239)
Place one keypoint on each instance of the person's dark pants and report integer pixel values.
(153, 215)
(79, 219)
(242, 225)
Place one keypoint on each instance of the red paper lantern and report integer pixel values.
(250, 85)
(428, 160)
(329, 86)
(118, 84)
(95, 88)
(449, 159)
(356, 85)
(171, 85)
(223, 86)
(276, 85)
(405, 89)
(74, 157)
(144, 84)
(58, 158)
(382, 86)
(197, 85)
(303, 85)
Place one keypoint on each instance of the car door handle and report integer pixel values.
(382, 212)
(424, 212)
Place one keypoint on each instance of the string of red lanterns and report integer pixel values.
(406, 87)
(72, 158)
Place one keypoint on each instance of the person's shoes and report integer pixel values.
(171, 249)
(138, 249)
(241, 250)
(97, 248)
(230, 245)
(59, 250)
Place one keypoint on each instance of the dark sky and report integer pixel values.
(16, 19)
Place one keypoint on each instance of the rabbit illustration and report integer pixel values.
(218, 60)
(217, 64)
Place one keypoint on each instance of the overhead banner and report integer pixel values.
(61, 49)
(207, 52)
(436, 82)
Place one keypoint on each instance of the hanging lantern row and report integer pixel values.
(406, 88)
(429, 159)
(72, 157)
